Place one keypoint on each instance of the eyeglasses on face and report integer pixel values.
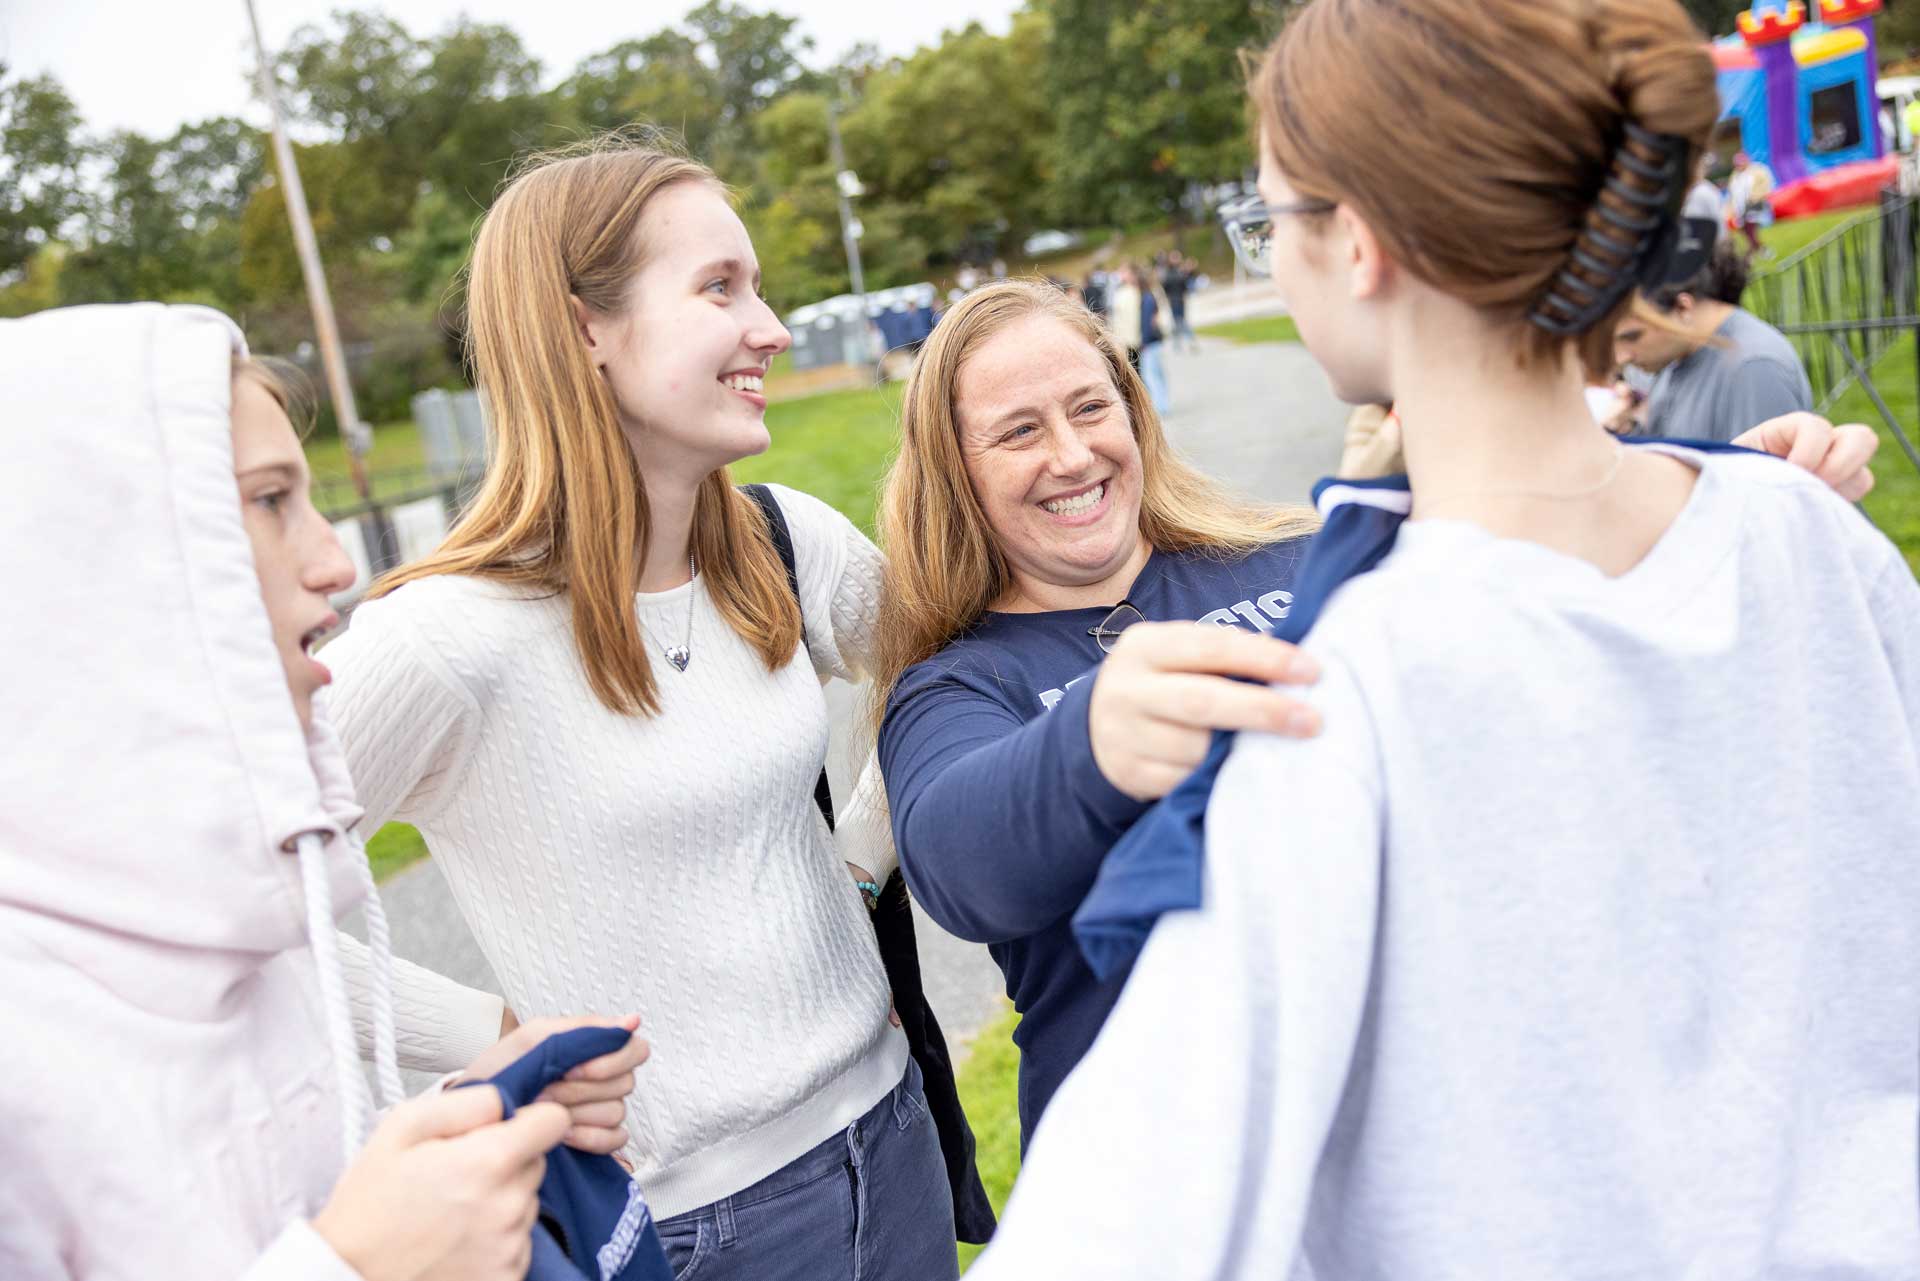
(1248, 223)
(1106, 633)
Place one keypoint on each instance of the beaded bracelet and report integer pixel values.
(870, 892)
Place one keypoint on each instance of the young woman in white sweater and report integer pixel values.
(599, 703)
(1585, 940)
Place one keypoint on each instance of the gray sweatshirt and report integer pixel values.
(1748, 374)
(1584, 943)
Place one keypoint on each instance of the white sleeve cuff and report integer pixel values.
(439, 1025)
(864, 829)
(300, 1254)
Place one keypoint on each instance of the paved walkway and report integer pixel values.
(1259, 416)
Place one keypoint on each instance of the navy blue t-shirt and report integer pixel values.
(1000, 814)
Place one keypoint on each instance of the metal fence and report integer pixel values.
(1847, 301)
(411, 508)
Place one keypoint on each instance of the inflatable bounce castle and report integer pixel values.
(1798, 96)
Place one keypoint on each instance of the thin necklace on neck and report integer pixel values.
(1613, 472)
(682, 654)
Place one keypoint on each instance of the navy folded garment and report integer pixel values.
(594, 1225)
(1156, 866)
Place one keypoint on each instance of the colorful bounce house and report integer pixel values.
(1799, 97)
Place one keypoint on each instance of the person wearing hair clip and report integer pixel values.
(1508, 973)
(1047, 555)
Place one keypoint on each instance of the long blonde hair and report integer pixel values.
(944, 567)
(562, 508)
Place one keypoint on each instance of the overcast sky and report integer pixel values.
(152, 65)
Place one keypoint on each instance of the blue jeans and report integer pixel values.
(1153, 372)
(871, 1203)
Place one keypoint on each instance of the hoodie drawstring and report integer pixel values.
(356, 1105)
(386, 1056)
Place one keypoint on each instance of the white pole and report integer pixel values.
(357, 438)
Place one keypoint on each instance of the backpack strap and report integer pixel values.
(900, 957)
(783, 543)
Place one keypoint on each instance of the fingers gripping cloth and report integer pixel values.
(594, 1225)
(1157, 866)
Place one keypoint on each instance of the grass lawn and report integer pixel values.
(989, 1091)
(392, 848)
(1788, 238)
(1258, 329)
(835, 446)
(1894, 503)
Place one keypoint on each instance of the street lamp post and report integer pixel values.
(847, 184)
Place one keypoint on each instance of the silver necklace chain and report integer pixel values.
(1619, 453)
(682, 654)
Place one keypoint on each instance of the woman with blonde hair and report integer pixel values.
(602, 706)
(1036, 512)
(1585, 941)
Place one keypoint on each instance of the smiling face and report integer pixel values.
(687, 358)
(298, 559)
(1051, 457)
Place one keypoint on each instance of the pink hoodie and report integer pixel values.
(179, 1087)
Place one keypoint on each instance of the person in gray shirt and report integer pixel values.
(1718, 370)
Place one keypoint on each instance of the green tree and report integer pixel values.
(1147, 97)
(756, 55)
(661, 81)
(137, 244)
(1899, 32)
(1715, 17)
(41, 153)
(448, 112)
(338, 188)
(37, 285)
(953, 143)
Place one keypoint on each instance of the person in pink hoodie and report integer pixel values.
(180, 1089)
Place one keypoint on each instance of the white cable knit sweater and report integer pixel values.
(674, 866)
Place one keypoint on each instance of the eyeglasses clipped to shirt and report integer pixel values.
(1106, 632)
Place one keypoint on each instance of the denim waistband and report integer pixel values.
(898, 1107)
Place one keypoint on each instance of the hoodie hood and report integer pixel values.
(157, 778)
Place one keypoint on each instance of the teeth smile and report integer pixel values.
(1078, 503)
(744, 382)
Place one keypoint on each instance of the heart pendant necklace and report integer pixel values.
(682, 654)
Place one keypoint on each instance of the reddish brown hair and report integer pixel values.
(1519, 108)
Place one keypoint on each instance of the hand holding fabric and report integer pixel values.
(1166, 687)
(444, 1191)
(594, 1093)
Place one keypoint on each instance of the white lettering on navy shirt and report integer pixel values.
(1259, 614)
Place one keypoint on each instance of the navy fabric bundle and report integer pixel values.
(594, 1225)
(1156, 866)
